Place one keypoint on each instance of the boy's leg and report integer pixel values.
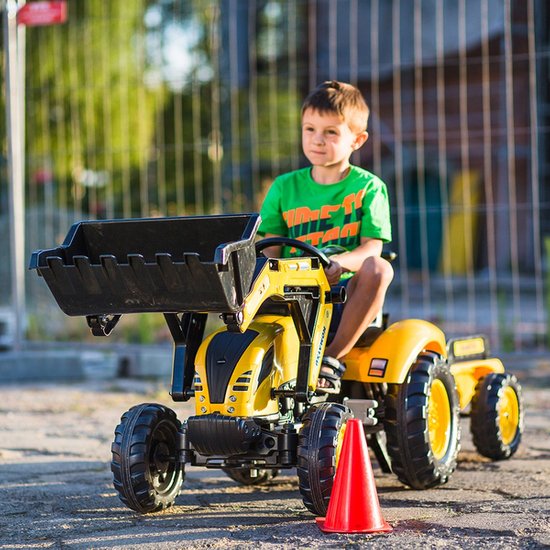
(366, 292)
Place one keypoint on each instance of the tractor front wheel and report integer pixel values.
(145, 467)
(319, 447)
(422, 424)
(496, 418)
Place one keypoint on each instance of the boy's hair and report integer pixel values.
(341, 99)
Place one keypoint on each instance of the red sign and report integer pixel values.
(34, 14)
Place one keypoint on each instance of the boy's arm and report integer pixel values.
(353, 260)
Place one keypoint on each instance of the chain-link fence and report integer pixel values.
(155, 108)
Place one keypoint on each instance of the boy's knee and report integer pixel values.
(377, 269)
(386, 270)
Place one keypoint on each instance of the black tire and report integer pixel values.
(496, 418)
(244, 477)
(420, 457)
(319, 439)
(146, 471)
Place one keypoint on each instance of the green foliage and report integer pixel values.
(143, 329)
(90, 108)
(505, 326)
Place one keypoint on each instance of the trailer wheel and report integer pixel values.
(146, 471)
(245, 477)
(496, 419)
(319, 445)
(422, 424)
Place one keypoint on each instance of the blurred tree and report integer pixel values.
(137, 108)
(91, 104)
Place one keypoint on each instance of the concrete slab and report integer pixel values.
(44, 365)
(68, 363)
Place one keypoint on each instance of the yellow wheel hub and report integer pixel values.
(439, 419)
(339, 442)
(508, 415)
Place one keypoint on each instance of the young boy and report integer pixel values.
(333, 202)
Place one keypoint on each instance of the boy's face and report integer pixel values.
(327, 140)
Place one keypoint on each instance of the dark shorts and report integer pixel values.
(337, 310)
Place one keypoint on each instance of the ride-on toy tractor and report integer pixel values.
(254, 380)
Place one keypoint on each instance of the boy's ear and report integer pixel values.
(360, 140)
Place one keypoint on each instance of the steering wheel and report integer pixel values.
(308, 249)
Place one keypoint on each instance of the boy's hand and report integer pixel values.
(333, 272)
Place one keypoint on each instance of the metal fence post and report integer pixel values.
(14, 127)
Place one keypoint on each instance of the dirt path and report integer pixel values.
(56, 492)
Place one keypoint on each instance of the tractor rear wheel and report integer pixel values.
(319, 445)
(496, 418)
(145, 467)
(422, 424)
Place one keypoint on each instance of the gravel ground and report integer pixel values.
(56, 491)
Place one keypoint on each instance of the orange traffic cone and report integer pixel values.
(353, 505)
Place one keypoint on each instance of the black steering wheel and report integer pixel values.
(308, 249)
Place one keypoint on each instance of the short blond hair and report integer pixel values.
(342, 99)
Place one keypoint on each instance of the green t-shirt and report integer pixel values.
(339, 213)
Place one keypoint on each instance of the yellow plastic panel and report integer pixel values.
(469, 346)
(391, 355)
(467, 374)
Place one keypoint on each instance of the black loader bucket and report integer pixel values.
(197, 263)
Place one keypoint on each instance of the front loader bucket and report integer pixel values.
(197, 263)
